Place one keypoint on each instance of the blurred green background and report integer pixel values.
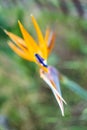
(26, 103)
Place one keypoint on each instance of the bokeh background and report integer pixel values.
(26, 103)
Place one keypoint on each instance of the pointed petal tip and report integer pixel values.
(33, 18)
(63, 114)
(62, 110)
(31, 15)
(5, 31)
(19, 22)
(65, 102)
(9, 43)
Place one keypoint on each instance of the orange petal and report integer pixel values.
(51, 41)
(30, 43)
(42, 42)
(47, 34)
(15, 38)
(18, 41)
(19, 52)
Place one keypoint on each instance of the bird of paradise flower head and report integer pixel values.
(28, 49)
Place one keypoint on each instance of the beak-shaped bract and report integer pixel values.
(52, 79)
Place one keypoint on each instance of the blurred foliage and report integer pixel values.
(24, 99)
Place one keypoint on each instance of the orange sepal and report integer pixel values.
(47, 34)
(19, 52)
(30, 43)
(50, 38)
(15, 38)
(42, 43)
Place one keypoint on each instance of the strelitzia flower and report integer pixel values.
(29, 49)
